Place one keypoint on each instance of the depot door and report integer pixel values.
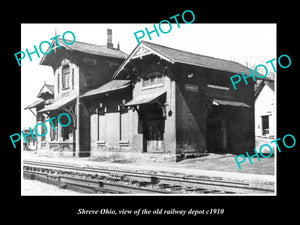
(154, 135)
(153, 128)
(216, 136)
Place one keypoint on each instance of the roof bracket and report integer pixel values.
(71, 111)
(32, 112)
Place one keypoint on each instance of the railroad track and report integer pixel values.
(103, 180)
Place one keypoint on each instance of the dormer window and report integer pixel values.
(65, 76)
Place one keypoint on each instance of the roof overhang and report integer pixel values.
(35, 104)
(112, 86)
(84, 48)
(183, 57)
(54, 49)
(216, 101)
(58, 104)
(145, 99)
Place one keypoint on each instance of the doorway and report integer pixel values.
(216, 136)
(265, 125)
(153, 128)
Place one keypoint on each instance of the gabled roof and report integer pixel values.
(113, 85)
(95, 49)
(88, 48)
(260, 86)
(178, 56)
(47, 88)
(190, 58)
(270, 85)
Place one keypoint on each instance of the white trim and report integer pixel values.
(142, 51)
(153, 86)
(131, 56)
(218, 87)
(158, 53)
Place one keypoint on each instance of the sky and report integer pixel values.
(239, 42)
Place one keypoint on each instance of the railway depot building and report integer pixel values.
(77, 68)
(157, 102)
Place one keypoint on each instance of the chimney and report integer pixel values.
(109, 39)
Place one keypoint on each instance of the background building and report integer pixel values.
(265, 109)
(265, 114)
(31, 141)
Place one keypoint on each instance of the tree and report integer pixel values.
(251, 62)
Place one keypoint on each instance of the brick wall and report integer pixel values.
(190, 112)
(84, 131)
(105, 126)
(146, 66)
(101, 72)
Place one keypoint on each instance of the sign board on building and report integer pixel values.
(191, 87)
(65, 94)
(218, 87)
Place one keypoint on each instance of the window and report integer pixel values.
(89, 79)
(153, 79)
(145, 82)
(101, 125)
(160, 79)
(124, 124)
(43, 131)
(65, 77)
(265, 125)
(65, 133)
(73, 79)
(58, 82)
(53, 134)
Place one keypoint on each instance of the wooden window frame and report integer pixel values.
(146, 81)
(65, 77)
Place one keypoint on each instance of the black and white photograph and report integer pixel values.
(140, 109)
(173, 112)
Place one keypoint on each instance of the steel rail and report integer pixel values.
(200, 185)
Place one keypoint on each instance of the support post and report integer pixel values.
(77, 133)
